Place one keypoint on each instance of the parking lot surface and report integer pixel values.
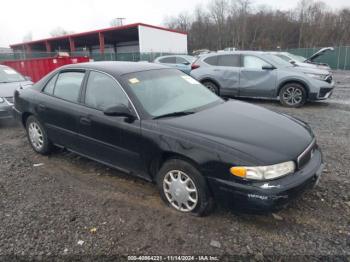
(64, 204)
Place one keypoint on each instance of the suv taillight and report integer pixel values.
(194, 66)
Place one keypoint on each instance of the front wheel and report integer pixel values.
(37, 136)
(293, 95)
(183, 188)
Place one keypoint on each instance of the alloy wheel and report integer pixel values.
(292, 96)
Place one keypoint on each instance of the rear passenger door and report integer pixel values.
(59, 106)
(225, 70)
(256, 81)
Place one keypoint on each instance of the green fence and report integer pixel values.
(337, 59)
(96, 56)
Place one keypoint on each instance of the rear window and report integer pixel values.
(212, 60)
(68, 85)
(180, 60)
(168, 60)
(50, 85)
(229, 60)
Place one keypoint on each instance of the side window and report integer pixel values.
(68, 85)
(254, 62)
(168, 60)
(229, 60)
(50, 85)
(212, 60)
(103, 92)
(181, 60)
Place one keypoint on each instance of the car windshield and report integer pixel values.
(168, 91)
(8, 75)
(276, 61)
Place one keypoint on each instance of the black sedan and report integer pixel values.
(162, 125)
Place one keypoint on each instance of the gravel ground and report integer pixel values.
(74, 208)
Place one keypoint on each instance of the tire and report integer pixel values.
(293, 95)
(212, 87)
(37, 136)
(201, 201)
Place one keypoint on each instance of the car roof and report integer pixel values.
(116, 68)
(233, 53)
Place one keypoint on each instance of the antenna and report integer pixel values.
(118, 21)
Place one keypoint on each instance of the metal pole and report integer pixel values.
(338, 57)
(346, 57)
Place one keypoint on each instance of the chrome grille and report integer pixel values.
(306, 156)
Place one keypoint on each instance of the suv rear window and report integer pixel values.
(212, 60)
(229, 60)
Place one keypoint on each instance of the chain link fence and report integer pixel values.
(96, 56)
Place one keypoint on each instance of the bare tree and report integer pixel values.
(235, 23)
(59, 31)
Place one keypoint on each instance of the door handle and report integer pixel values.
(41, 107)
(85, 121)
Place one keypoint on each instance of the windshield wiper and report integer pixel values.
(180, 113)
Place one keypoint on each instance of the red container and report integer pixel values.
(39, 67)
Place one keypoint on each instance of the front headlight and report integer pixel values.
(2, 100)
(263, 172)
(317, 76)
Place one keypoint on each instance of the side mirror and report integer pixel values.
(119, 110)
(186, 63)
(268, 67)
(28, 78)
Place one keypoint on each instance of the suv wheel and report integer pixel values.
(37, 136)
(292, 95)
(183, 188)
(212, 87)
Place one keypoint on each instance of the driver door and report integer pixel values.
(109, 139)
(256, 81)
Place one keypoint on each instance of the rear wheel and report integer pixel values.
(183, 188)
(37, 136)
(212, 87)
(293, 95)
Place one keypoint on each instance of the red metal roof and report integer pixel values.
(118, 28)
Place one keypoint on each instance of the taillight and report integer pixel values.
(194, 66)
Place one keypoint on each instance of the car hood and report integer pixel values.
(264, 135)
(310, 65)
(7, 89)
(319, 53)
(311, 70)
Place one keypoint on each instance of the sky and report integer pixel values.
(19, 18)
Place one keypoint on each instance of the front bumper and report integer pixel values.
(268, 195)
(323, 93)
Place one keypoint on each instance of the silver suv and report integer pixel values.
(261, 75)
